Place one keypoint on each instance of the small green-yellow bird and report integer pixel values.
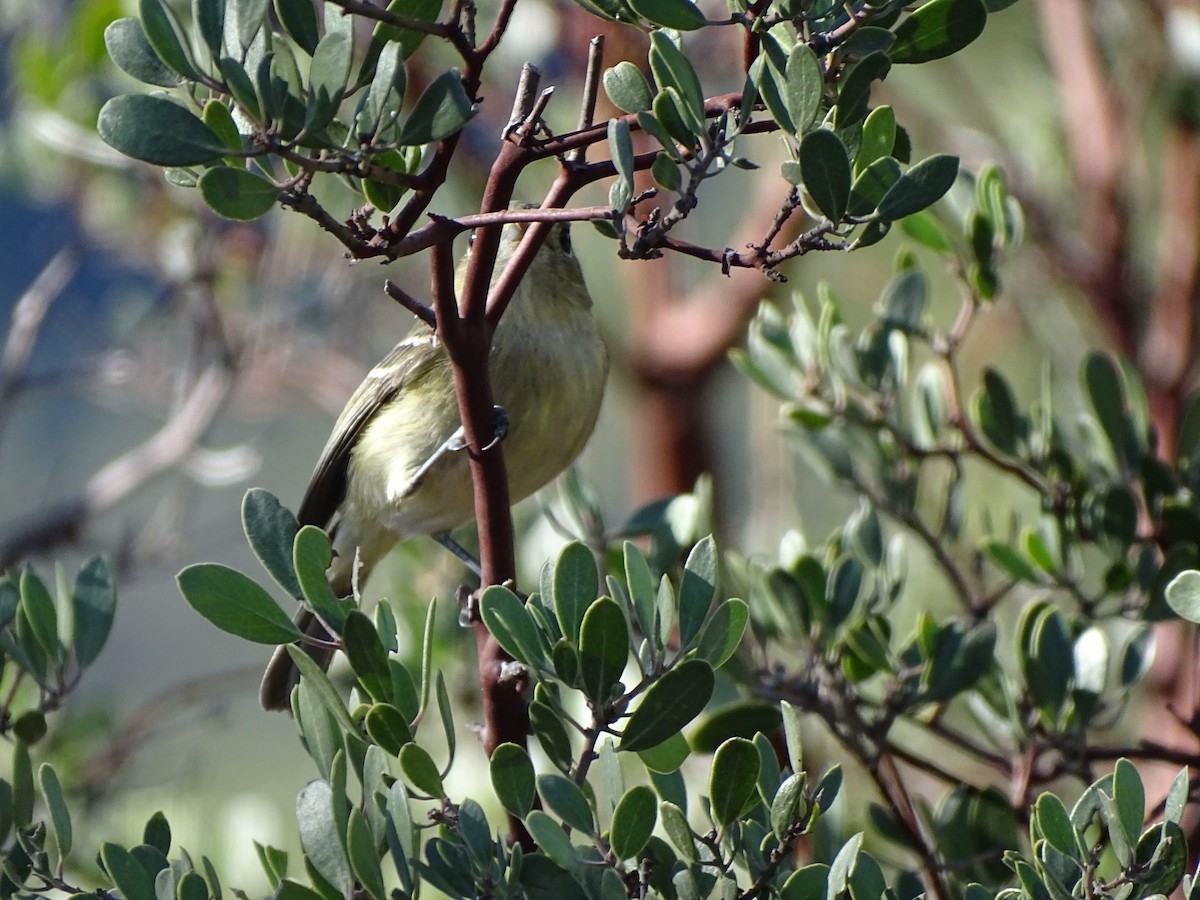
(386, 473)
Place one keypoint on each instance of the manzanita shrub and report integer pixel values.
(980, 713)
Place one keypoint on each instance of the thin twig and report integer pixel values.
(591, 93)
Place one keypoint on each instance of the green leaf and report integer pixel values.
(299, 20)
(511, 624)
(920, 187)
(387, 727)
(996, 412)
(327, 76)
(367, 657)
(826, 171)
(682, 15)
(923, 228)
(60, 815)
(320, 835)
(513, 778)
(408, 39)
(131, 51)
(786, 803)
(675, 824)
(1129, 798)
(627, 87)
(321, 687)
(158, 23)
(237, 194)
(670, 703)
(418, 766)
(157, 130)
(603, 649)
(387, 90)
(642, 591)
(666, 172)
(236, 604)
(566, 800)
(192, 886)
(1046, 656)
(791, 735)
(311, 555)
(697, 589)
(937, 29)
(126, 873)
(1055, 825)
(620, 148)
(94, 602)
(872, 185)
(364, 858)
(1011, 561)
(671, 69)
(244, 19)
(739, 718)
(807, 883)
(633, 822)
(271, 530)
(38, 608)
(219, 119)
(666, 756)
(442, 109)
(878, 138)
(768, 80)
(575, 585)
(1183, 595)
(209, 16)
(723, 631)
(804, 87)
(1107, 393)
(551, 733)
(241, 87)
(552, 840)
(854, 97)
(733, 781)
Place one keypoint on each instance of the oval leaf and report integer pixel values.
(921, 186)
(157, 130)
(733, 780)
(670, 703)
(236, 604)
(441, 110)
(825, 167)
(237, 193)
(938, 29)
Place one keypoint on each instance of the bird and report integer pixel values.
(389, 470)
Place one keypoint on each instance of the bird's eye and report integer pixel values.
(471, 240)
(564, 238)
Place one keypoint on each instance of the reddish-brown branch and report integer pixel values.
(1098, 148)
(1167, 348)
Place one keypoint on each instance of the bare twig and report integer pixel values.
(591, 93)
(166, 449)
(27, 317)
(411, 303)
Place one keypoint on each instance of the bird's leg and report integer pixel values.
(456, 442)
(461, 552)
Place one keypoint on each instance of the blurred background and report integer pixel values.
(158, 361)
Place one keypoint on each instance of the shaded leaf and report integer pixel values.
(670, 703)
(236, 604)
(442, 109)
(157, 130)
(237, 194)
(937, 29)
(825, 167)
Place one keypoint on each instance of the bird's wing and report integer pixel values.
(327, 487)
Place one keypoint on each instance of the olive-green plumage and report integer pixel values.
(547, 366)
